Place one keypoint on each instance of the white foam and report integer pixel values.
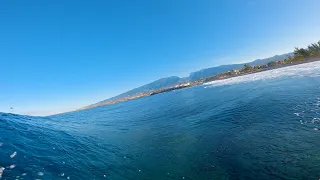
(1, 171)
(297, 114)
(311, 69)
(13, 154)
(314, 120)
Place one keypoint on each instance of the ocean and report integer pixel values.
(258, 126)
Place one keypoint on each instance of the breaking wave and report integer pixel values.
(248, 132)
(308, 69)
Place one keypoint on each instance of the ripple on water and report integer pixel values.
(311, 110)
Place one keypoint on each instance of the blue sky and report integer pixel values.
(59, 55)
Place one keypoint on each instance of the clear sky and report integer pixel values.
(59, 55)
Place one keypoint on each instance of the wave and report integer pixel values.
(311, 69)
(26, 139)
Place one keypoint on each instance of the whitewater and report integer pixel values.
(257, 126)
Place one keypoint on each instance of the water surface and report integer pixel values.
(258, 126)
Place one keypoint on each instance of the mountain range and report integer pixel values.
(204, 73)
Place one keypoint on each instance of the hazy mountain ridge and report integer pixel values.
(158, 84)
(204, 73)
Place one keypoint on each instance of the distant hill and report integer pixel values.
(204, 73)
(158, 84)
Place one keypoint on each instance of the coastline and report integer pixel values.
(267, 69)
(200, 82)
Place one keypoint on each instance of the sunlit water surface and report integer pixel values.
(258, 126)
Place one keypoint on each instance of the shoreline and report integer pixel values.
(198, 82)
(182, 86)
(268, 69)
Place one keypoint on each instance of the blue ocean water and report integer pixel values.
(258, 126)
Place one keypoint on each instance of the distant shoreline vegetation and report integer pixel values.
(300, 55)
